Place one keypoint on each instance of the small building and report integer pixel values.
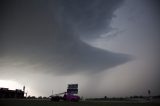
(6, 93)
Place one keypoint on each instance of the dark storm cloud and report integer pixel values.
(90, 18)
(46, 34)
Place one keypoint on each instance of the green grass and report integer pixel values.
(62, 103)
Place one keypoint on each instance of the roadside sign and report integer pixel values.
(72, 88)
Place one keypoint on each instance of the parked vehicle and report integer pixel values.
(66, 97)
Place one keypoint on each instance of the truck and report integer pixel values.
(66, 97)
(70, 95)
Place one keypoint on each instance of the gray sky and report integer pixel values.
(108, 47)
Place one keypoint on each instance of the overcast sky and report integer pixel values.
(108, 47)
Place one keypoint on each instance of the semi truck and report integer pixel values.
(66, 97)
(70, 95)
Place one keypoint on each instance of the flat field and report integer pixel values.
(24, 102)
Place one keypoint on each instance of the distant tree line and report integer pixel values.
(39, 97)
(105, 98)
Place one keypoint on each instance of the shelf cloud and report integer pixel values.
(46, 35)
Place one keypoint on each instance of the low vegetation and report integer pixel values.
(40, 102)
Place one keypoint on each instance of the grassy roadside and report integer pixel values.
(14, 102)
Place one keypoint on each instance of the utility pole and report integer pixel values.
(52, 92)
(149, 94)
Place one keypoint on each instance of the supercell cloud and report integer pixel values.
(45, 35)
